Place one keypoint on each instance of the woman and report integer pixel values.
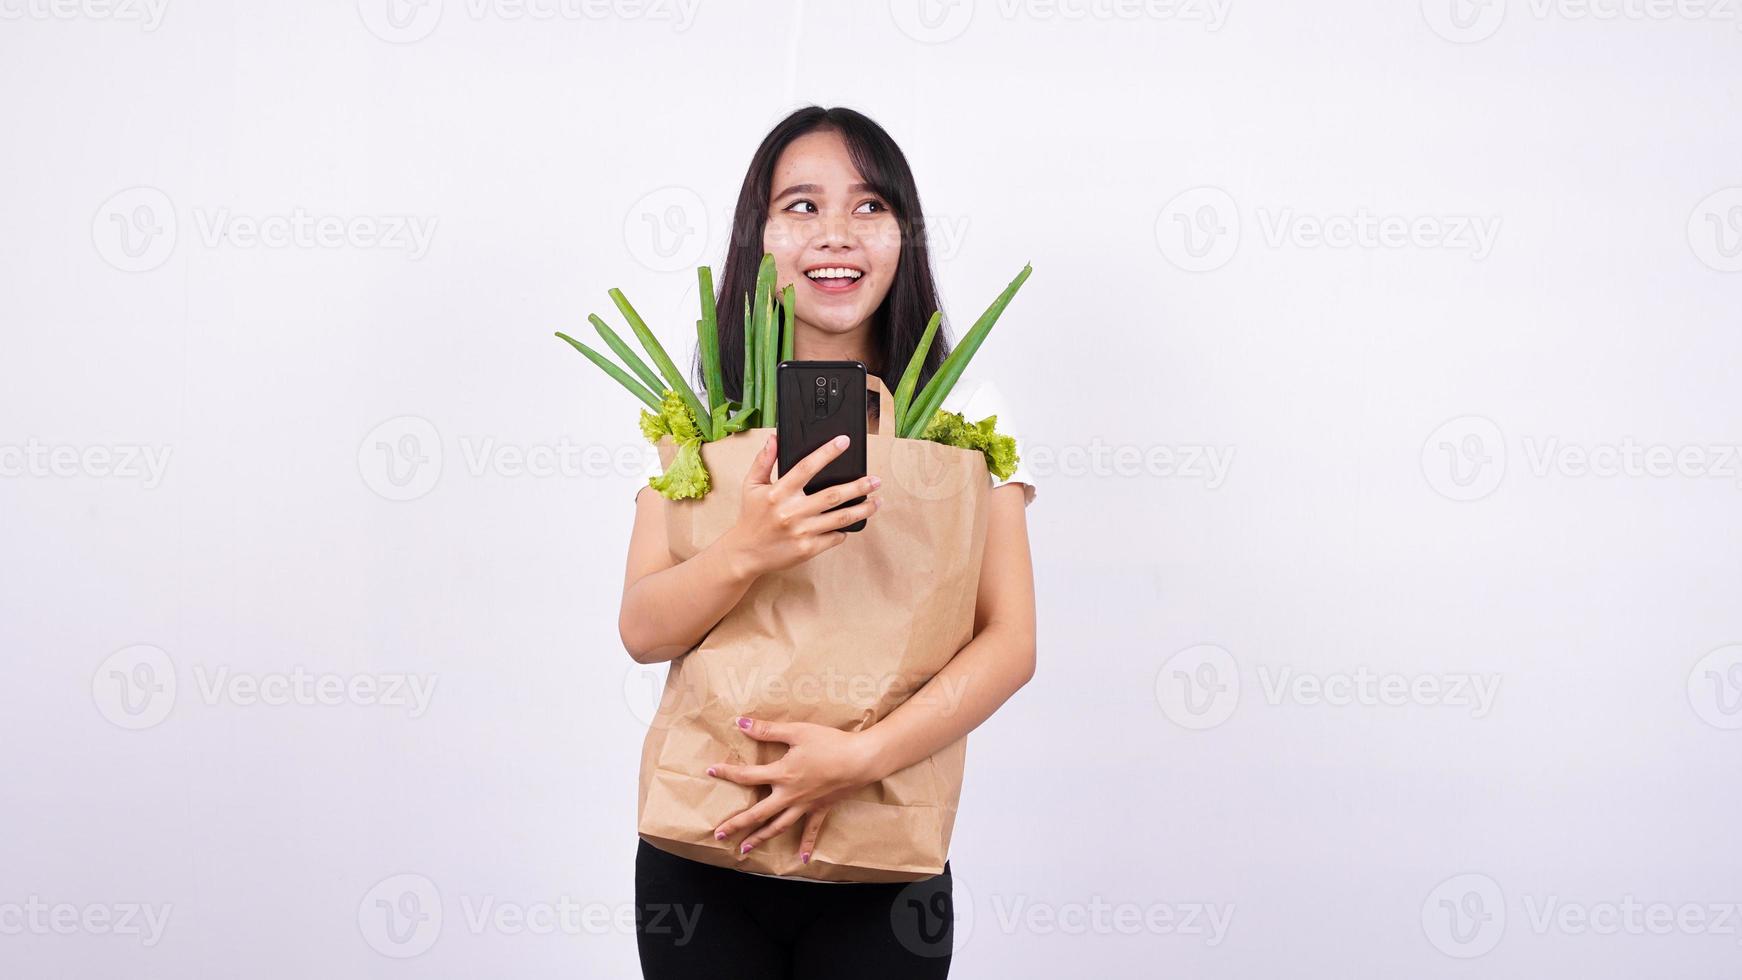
(830, 195)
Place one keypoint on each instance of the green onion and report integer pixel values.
(708, 342)
(788, 302)
(722, 415)
(627, 353)
(770, 336)
(655, 351)
(748, 394)
(614, 371)
(768, 348)
(739, 421)
(910, 377)
(932, 397)
(766, 344)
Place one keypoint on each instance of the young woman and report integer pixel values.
(830, 195)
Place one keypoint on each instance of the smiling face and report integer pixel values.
(835, 239)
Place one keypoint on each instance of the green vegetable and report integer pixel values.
(716, 427)
(740, 420)
(613, 370)
(679, 419)
(756, 325)
(948, 428)
(748, 395)
(915, 364)
(767, 341)
(627, 353)
(932, 397)
(951, 429)
(768, 350)
(708, 343)
(770, 336)
(686, 478)
(655, 351)
(673, 419)
(676, 411)
(788, 303)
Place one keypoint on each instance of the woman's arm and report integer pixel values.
(822, 764)
(669, 606)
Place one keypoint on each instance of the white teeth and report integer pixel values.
(834, 273)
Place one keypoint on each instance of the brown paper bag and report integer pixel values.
(840, 640)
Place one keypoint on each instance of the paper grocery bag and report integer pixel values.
(839, 640)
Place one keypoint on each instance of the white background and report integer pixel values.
(1410, 425)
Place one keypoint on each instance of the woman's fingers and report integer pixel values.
(813, 825)
(773, 829)
(763, 730)
(755, 816)
(802, 471)
(834, 520)
(762, 467)
(742, 774)
(816, 503)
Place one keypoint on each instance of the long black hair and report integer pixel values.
(901, 318)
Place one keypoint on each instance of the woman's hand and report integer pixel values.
(779, 525)
(821, 765)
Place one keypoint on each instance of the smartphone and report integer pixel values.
(819, 400)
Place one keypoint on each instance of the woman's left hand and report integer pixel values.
(821, 765)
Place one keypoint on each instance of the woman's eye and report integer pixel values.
(802, 204)
(871, 207)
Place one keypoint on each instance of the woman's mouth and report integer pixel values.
(834, 278)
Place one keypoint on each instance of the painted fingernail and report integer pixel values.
(805, 858)
(841, 441)
(711, 771)
(746, 848)
(876, 482)
(744, 723)
(719, 835)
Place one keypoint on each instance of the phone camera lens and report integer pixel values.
(821, 382)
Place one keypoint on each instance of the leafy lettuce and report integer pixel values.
(951, 429)
(687, 477)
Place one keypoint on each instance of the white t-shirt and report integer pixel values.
(975, 399)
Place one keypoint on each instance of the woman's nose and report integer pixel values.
(836, 230)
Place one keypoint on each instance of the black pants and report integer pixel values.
(697, 922)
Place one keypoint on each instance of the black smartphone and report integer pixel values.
(819, 400)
